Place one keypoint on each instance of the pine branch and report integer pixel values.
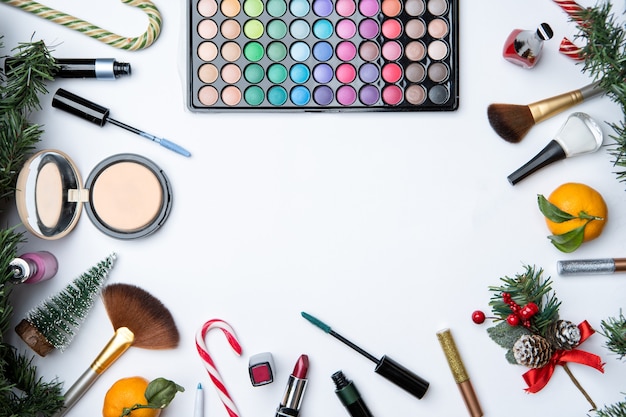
(604, 53)
(525, 288)
(614, 410)
(22, 394)
(19, 95)
(614, 329)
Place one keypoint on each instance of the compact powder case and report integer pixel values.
(126, 196)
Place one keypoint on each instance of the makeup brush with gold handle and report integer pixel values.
(118, 344)
(139, 320)
(513, 121)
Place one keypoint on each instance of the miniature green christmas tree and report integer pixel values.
(53, 323)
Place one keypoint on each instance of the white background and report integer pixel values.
(389, 227)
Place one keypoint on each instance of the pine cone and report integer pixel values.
(563, 335)
(532, 351)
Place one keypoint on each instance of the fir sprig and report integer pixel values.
(525, 288)
(614, 330)
(614, 410)
(604, 54)
(22, 394)
(19, 95)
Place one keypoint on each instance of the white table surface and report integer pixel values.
(387, 226)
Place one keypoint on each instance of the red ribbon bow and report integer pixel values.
(538, 378)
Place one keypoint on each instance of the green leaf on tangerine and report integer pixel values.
(552, 212)
(569, 241)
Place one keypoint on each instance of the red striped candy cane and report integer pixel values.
(567, 47)
(570, 50)
(209, 364)
(572, 8)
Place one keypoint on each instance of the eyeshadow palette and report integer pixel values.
(323, 55)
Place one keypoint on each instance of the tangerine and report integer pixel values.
(579, 200)
(125, 393)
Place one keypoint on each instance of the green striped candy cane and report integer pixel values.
(132, 44)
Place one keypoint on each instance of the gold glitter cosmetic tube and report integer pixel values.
(459, 373)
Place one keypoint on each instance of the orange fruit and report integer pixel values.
(125, 393)
(575, 199)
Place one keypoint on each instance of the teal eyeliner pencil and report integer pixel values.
(198, 410)
(385, 366)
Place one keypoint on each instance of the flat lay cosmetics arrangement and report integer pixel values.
(279, 210)
(321, 55)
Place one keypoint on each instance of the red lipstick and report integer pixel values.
(292, 399)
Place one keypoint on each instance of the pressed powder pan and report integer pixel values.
(126, 196)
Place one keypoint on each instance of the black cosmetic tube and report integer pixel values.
(402, 377)
(99, 68)
(350, 396)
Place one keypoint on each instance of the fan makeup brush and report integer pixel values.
(139, 320)
(513, 121)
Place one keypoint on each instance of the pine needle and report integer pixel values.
(604, 53)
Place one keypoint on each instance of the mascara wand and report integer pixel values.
(385, 366)
(99, 115)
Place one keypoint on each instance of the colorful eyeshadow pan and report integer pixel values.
(318, 55)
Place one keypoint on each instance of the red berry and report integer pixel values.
(478, 317)
(512, 319)
(533, 307)
(529, 310)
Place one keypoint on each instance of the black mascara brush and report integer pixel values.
(385, 366)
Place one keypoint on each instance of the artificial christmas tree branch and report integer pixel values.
(22, 394)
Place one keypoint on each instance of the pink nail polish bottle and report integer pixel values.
(33, 267)
(523, 47)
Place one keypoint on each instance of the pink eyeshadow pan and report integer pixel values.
(346, 73)
(392, 50)
(345, 8)
(391, 28)
(346, 29)
(438, 28)
(207, 51)
(392, 94)
(207, 29)
(346, 51)
(231, 73)
(230, 29)
(207, 8)
(369, 8)
(231, 95)
(208, 95)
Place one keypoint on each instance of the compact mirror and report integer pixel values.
(126, 196)
(46, 194)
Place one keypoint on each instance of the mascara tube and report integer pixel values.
(99, 68)
(349, 396)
